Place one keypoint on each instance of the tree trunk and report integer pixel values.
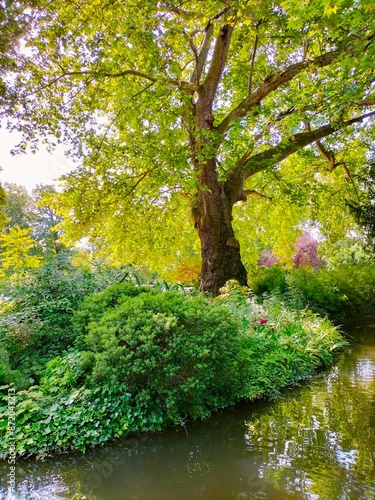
(220, 250)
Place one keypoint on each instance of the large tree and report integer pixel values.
(169, 104)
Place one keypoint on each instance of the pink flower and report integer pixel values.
(262, 321)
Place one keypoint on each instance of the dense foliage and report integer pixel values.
(363, 207)
(344, 291)
(198, 108)
(143, 359)
(36, 316)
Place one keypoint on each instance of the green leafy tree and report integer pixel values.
(363, 207)
(18, 209)
(31, 211)
(303, 194)
(45, 221)
(14, 22)
(177, 107)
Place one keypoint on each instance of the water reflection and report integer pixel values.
(324, 434)
(316, 442)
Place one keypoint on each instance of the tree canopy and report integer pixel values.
(196, 106)
(15, 17)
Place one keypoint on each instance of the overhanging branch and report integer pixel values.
(274, 81)
(261, 161)
(102, 74)
(139, 74)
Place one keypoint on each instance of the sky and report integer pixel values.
(30, 169)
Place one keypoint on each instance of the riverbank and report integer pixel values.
(290, 447)
(144, 360)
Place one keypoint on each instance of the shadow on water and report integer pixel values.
(316, 441)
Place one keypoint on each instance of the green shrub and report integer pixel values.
(319, 291)
(176, 354)
(282, 344)
(268, 279)
(94, 306)
(36, 323)
(339, 292)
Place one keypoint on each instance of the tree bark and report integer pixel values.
(220, 250)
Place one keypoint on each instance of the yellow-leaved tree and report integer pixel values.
(16, 253)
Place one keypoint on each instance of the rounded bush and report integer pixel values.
(177, 355)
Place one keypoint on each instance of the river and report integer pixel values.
(315, 441)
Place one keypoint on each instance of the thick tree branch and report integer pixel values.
(217, 65)
(260, 134)
(369, 100)
(252, 59)
(201, 57)
(250, 165)
(273, 82)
